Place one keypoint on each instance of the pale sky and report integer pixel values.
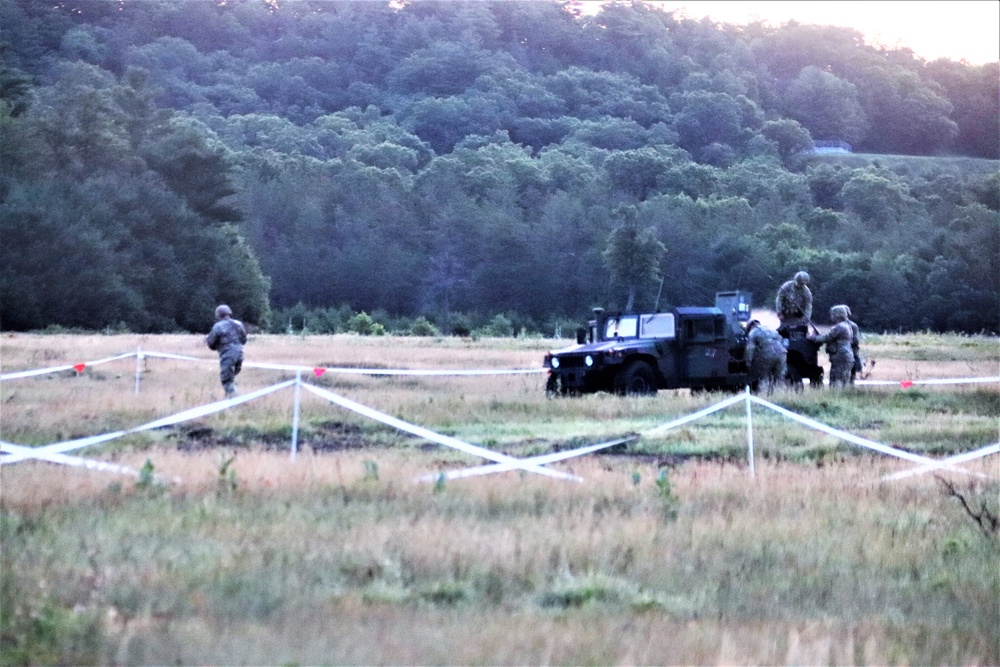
(954, 29)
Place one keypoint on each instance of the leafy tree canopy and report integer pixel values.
(473, 158)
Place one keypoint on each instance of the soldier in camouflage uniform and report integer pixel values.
(766, 357)
(838, 345)
(794, 303)
(859, 363)
(227, 337)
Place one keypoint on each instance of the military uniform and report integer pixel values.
(838, 342)
(766, 357)
(794, 303)
(859, 363)
(227, 337)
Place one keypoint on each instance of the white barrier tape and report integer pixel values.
(439, 438)
(167, 355)
(277, 367)
(70, 460)
(394, 371)
(403, 371)
(538, 460)
(907, 383)
(193, 413)
(58, 369)
(843, 435)
(697, 415)
(356, 371)
(944, 463)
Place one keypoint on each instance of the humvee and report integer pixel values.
(700, 348)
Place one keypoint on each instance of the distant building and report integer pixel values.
(822, 147)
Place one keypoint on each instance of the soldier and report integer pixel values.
(794, 303)
(838, 346)
(766, 357)
(859, 363)
(227, 337)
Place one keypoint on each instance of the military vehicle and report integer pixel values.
(700, 348)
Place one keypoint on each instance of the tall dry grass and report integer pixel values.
(320, 561)
(340, 556)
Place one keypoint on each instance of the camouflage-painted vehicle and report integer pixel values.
(700, 348)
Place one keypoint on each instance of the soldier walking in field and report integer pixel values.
(794, 303)
(227, 337)
(766, 357)
(838, 345)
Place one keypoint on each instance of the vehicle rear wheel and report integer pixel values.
(636, 380)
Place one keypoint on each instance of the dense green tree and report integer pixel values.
(908, 115)
(973, 93)
(633, 255)
(826, 105)
(792, 139)
(705, 118)
(878, 199)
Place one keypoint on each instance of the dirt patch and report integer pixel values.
(335, 436)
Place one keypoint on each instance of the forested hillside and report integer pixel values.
(460, 160)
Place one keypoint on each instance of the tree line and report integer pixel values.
(450, 162)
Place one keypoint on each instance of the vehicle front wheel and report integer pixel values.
(554, 387)
(636, 380)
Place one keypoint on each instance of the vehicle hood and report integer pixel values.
(589, 348)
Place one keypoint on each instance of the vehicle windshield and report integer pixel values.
(623, 326)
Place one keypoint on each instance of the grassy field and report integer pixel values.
(667, 553)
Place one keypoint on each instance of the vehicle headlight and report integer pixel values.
(555, 362)
(588, 360)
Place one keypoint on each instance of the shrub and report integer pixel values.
(500, 326)
(423, 327)
(365, 324)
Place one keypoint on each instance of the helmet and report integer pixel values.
(223, 311)
(802, 278)
(838, 313)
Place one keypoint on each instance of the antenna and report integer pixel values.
(656, 308)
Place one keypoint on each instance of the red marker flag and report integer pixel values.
(79, 367)
(906, 384)
(319, 371)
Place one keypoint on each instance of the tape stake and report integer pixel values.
(906, 384)
(318, 371)
(79, 367)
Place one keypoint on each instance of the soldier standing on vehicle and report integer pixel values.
(859, 363)
(838, 346)
(227, 337)
(794, 303)
(766, 357)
